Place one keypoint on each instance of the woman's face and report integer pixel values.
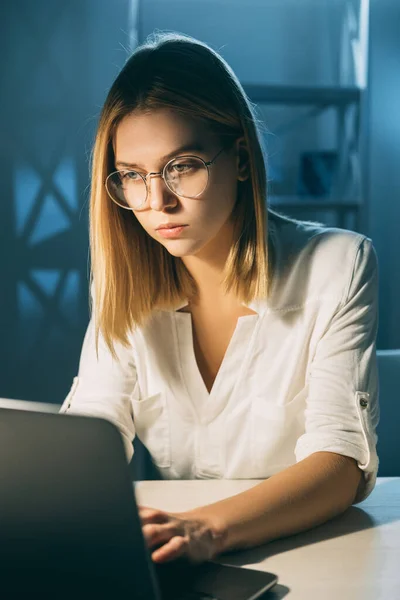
(147, 142)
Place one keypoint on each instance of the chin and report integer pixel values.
(181, 250)
(179, 254)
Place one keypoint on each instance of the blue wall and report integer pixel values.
(384, 161)
(59, 60)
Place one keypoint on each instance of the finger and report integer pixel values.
(152, 515)
(175, 548)
(159, 534)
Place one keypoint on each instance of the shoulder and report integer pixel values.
(313, 261)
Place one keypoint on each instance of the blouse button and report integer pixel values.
(363, 402)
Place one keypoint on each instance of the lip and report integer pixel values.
(170, 225)
(171, 232)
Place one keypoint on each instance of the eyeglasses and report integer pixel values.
(186, 176)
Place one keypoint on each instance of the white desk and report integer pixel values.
(27, 405)
(355, 556)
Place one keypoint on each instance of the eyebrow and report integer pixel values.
(191, 147)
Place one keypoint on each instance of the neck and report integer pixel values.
(207, 266)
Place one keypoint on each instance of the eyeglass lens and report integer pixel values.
(186, 176)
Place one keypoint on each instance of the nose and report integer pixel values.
(159, 194)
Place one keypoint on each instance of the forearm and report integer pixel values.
(298, 498)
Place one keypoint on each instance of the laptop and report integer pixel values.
(69, 522)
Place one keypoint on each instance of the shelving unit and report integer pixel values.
(348, 194)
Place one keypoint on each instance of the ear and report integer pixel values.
(242, 159)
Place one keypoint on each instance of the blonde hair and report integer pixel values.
(131, 274)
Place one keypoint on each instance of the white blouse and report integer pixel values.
(299, 376)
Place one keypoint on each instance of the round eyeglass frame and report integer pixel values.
(162, 175)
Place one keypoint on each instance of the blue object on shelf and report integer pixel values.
(317, 172)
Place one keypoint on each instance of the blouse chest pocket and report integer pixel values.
(151, 420)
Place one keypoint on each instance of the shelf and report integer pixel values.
(293, 205)
(313, 203)
(286, 94)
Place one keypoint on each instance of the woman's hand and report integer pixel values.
(175, 535)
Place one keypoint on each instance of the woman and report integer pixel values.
(233, 341)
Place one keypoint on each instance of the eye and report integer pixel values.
(182, 168)
(185, 167)
(129, 175)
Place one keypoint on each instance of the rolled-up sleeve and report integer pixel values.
(342, 410)
(104, 387)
